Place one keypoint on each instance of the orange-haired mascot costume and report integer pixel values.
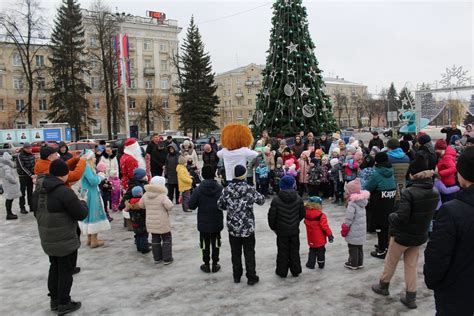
(235, 140)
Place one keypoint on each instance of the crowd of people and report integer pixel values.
(407, 191)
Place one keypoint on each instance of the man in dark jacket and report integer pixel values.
(426, 148)
(284, 217)
(26, 171)
(64, 153)
(170, 172)
(57, 210)
(376, 141)
(157, 151)
(209, 156)
(449, 256)
(324, 142)
(209, 218)
(450, 131)
(409, 229)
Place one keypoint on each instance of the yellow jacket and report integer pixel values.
(185, 181)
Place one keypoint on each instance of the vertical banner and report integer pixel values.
(119, 64)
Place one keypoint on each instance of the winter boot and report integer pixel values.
(253, 280)
(215, 267)
(409, 300)
(69, 308)
(76, 270)
(321, 264)
(381, 288)
(54, 305)
(206, 268)
(378, 254)
(95, 242)
(10, 215)
(23, 211)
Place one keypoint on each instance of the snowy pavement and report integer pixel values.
(117, 280)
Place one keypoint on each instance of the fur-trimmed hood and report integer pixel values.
(363, 195)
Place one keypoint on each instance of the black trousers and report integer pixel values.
(288, 256)
(207, 242)
(313, 190)
(161, 246)
(248, 246)
(26, 188)
(382, 236)
(60, 277)
(318, 254)
(302, 188)
(356, 255)
(173, 191)
(8, 205)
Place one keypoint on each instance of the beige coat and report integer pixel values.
(157, 205)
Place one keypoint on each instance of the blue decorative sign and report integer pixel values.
(52, 134)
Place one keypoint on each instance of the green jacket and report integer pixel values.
(381, 179)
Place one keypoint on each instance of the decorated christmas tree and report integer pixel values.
(292, 97)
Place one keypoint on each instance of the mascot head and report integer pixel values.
(235, 136)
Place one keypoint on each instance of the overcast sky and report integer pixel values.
(370, 42)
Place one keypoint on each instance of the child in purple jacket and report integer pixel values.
(442, 189)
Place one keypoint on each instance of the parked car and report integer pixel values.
(78, 147)
(347, 133)
(11, 148)
(388, 132)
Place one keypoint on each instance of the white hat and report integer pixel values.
(333, 162)
(157, 180)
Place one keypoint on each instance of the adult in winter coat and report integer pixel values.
(238, 199)
(158, 206)
(213, 143)
(298, 147)
(170, 172)
(382, 188)
(325, 143)
(64, 153)
(25, 167)
(209, 156)
(110, 160)
(57, 211)
(376, 141)
(209, 218)
(284, 217)
(131, 159)
(446, 166)
(157, 151)
(10, 183)
(449, 259)
(355, 221)
(409, 229)
(187, 150)
(451, 130)
(426, 148)
(400, 163)
(48, 154)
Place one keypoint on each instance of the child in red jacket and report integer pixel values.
(317, 230)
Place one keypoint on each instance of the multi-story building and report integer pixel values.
(152, 44)
(237, 91)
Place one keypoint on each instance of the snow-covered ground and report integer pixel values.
(117, 280)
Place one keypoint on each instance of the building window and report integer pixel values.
(249, 102)
(250, 113)
(166, 123)
(164, 65)
(42, 123)
(95, 83)
(17, 83)
(149, 84)
(239, 102)
(239, 114)
(164, 84)
(238, 82)
(225, 103)
(249, 91)
(163, 47)
(41, 84)
(147, 45)
(132, 104)
(133, 84)
(1, 105)
(97, 128)
(1, 81)
(230, 103)
(93, 63)
(42, 105)
(19, 105)
(16, 59)
(164, 104)
(20, 125)
(96, 104)
(148, 63)
(93, 41)
(39, 60)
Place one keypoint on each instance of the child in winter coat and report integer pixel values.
(115, 194)
(354, 226)
(442, 189)
(158, 205)
(446, 166)
(138, 216)
(185, 182)
(105, 187)
(10, 183)
(317, 231)
(303, 172)
(209, 218)
(290, 168)
(350, 165)
(284, 217)
(238, 199)
(338, 180)
(279, 173)
(262, 173)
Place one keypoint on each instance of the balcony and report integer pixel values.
(239, 95)
(149, 71)
(256, 83)
(248, 83)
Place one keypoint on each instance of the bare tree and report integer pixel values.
(149, 109)
(341, 102)
(105, 28)
(24, 27)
